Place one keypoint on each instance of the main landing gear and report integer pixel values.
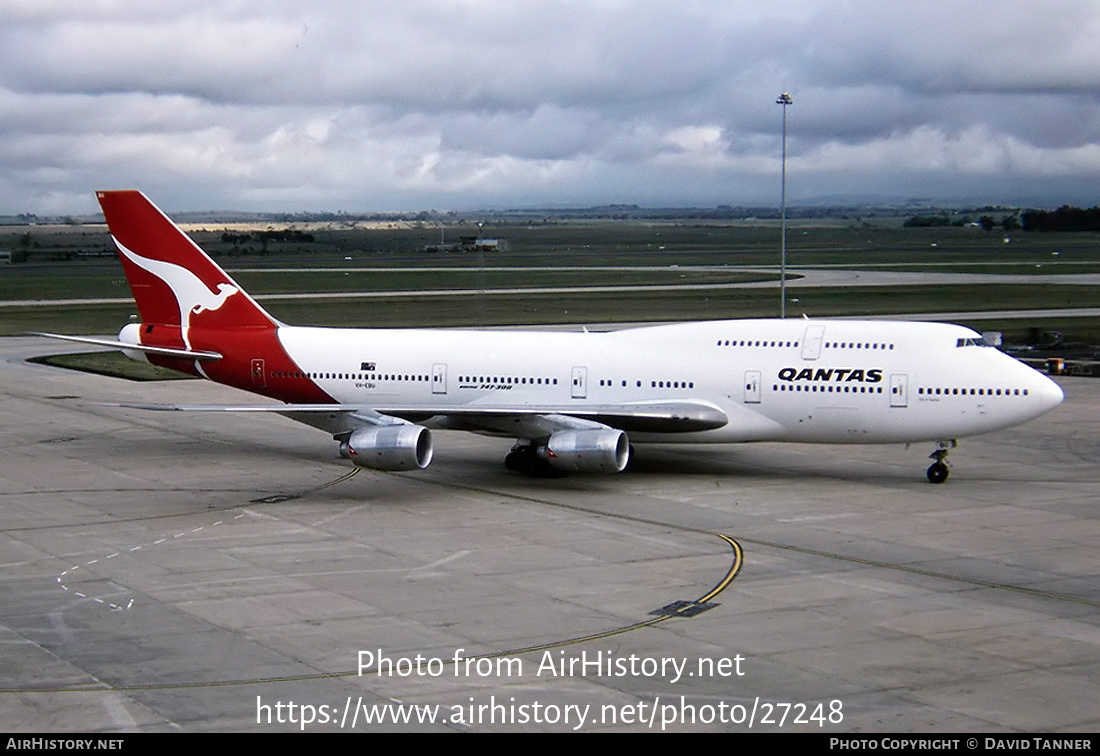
(939, 470)
(525, 459)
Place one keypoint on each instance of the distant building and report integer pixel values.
(481, 244)
(491, 245)
(470, 244)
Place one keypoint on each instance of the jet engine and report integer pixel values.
(389, 447)
(604, 451)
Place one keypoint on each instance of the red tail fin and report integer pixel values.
(174, 282)
(186, 301)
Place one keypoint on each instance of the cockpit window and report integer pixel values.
(978, 341)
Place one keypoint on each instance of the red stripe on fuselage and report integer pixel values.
(283, 378)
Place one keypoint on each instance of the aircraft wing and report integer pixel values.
(276, 408)
(528, 421)
(533, 421)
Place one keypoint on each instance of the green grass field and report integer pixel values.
(111, 363)
(48, 275)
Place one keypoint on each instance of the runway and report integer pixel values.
(167, 571)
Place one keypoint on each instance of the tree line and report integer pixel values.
(987, 222)
(286, 235)
(1065, 218)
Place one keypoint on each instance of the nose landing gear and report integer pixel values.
(939, 470)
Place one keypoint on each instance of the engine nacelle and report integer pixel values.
(605, 451)
(390, 447)
(131, 334)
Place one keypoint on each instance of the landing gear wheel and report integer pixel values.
(525, 459)
(938, 473)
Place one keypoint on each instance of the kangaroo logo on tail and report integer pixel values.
(192, 295)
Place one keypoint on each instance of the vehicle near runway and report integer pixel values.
(573, 401)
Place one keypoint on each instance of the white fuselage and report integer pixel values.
(831, 381)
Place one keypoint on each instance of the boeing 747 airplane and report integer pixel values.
(575, 401)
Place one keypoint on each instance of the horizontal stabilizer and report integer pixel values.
(188, 354)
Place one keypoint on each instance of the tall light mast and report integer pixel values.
(784, 100)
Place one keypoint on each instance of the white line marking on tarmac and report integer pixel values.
(115, 607)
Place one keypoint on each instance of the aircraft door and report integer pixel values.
(899, 390)
(752, 387)
(580, 382)
(258, 379)
(811, 342)
(439, 378)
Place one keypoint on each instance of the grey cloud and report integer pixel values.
(462, 104)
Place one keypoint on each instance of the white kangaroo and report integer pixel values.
(192, 295)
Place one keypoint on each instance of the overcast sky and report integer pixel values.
(359, 106)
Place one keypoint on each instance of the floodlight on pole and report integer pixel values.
(784, 100)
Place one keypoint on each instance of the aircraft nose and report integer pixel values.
(1049, 393)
